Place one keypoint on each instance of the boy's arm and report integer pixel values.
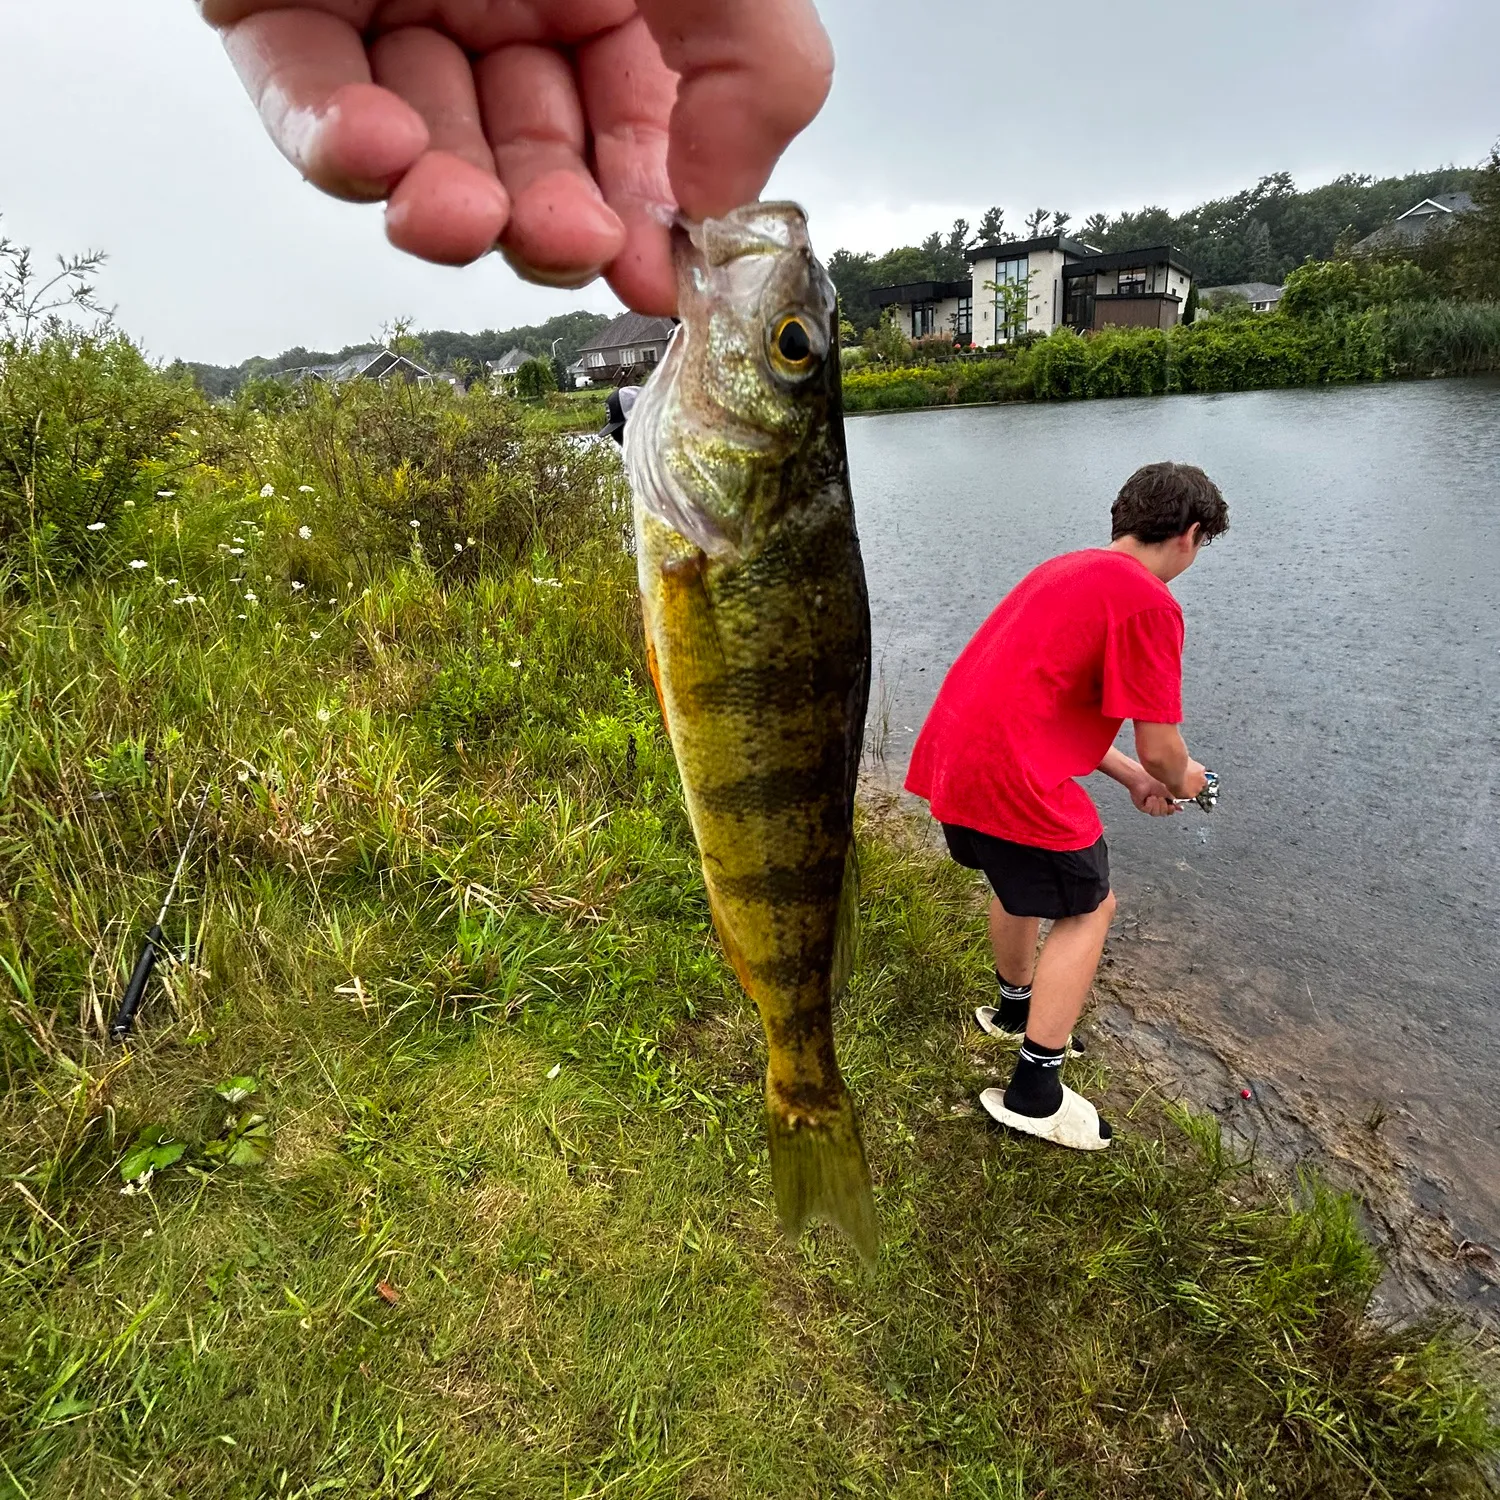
(1164, 755)
(1148, 794)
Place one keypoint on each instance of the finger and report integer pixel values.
(754, 73)
(450, 207)
(628, 92)
(309, 77)
(561, 231)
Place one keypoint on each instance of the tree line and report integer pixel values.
(438, 349)
(1259, 234)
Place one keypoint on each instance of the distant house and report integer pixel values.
(1070, 284)
(1261, 295)
(631, 342)
(1431, 215)
(504, 369)
(382, 365)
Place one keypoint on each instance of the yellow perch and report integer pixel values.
(758, 637)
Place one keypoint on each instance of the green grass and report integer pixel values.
(512, 1232)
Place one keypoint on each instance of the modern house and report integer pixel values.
(1068, 284)
(1431, 215)
(1261, 295)
(632, 342)
(379, 364)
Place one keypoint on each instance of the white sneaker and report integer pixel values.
(988, 1018)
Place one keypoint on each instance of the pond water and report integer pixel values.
(1339, 914)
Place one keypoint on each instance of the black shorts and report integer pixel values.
(1033, 882)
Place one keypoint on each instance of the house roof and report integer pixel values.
(919, 291)
(1445, 203)
(1011, 249)
(1251, 291)
(1418, 222)
(510, 362)
(628, 330)
(1119, 260)
(372, 365)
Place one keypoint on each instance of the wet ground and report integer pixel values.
(1333, 930)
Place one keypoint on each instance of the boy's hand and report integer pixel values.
(1194, 779)
(1153, 797)
(568, 132)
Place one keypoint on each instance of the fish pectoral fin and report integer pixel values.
(819, 1171)
(846, 934)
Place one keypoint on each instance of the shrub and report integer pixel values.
(86, 425)
(932, 349)
(1323, 288)
(475, 473)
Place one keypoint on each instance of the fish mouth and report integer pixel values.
(754, 229)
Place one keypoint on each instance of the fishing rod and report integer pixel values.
(155, 945)
(1207, 799)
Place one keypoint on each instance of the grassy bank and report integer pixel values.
(472, 1198)
(1266, 352)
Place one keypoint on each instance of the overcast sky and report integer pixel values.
(122, 128)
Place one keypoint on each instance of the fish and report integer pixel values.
(757, 625)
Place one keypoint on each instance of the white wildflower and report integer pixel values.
(94, 526)
(267, 490)
(166, 494)
(307, 830)
(188, 599)
(315, 635)
(324, 716)
(129, 504)
(305, 532)
(548, 583)
(471, 541)
(250, 596)
(137, 563)
(304, 489)
(458, 546)
(415, 525)
(171, 582)
(298, 587)
(515, 664)
(243, 775)
(236, 551)
(242, 617)
(240, 540)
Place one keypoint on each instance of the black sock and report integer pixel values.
(1014, 1009)
(1035, 1087)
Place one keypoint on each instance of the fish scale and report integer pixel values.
(758, 637)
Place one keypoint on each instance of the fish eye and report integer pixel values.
(792, 346)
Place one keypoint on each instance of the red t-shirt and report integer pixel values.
(1081, 644)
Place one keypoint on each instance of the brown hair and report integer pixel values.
(1162, 500)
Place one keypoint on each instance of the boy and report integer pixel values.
(1081, 644)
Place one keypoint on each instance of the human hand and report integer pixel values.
(1194, 779)
(568, 132)
(1153, 797)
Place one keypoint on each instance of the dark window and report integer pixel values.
(1132, 281)
(923, 316)
(1015, 272)
(963, 319)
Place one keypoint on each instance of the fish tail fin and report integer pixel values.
(819, 1172)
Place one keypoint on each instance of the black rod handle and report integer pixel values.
(135, 991)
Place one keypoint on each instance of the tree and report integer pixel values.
(1036, 221)
(1475, 238)
(1096, 229)
(991, 230)
(1061, 218)
(535, 379)
(1190, 307)
(1012, 307)
(29, 302)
